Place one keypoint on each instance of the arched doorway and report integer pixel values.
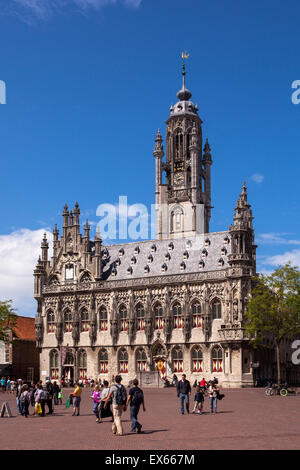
(159, 359)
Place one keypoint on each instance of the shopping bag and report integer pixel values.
(38, 409)
(68, 402)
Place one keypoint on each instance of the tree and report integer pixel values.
(274, 308)
(8, 320)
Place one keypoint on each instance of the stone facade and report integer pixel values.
(169, 305)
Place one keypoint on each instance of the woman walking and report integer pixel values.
(25, 400)
(104, 412)
(76, 399)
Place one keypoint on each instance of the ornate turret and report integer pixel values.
(242, 234)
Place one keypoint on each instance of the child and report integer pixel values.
(96, 399)
(199, 399)
(60, 397)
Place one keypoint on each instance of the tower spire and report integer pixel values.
(184, 94)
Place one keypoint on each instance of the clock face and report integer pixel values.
(179, 178)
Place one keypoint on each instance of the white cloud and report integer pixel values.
(276, 238)
(257, 177)
(43, 9)
(19, 252)
(279, 260)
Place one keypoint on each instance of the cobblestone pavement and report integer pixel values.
(246, 419)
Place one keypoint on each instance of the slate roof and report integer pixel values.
(166, 257)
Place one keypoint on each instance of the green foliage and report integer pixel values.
(8, 319)
(274, 308)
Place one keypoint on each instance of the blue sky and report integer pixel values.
(88, 84)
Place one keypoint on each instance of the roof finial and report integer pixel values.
(184, 94)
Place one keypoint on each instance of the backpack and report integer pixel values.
(44, 395)
(24, 398)
(138, 397)
(121, 395)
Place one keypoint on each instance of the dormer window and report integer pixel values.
(114, 272)
(150, 259)
(164, 268)
(118, 262)
(136, 250)
(201, 264)
(171, 246)
(167, 257)
(133, 260)
(129, 270)
(188, 245)
(153, 248)
(220, 262)
(226, 241)
(69, 272)
(207, 242)
(121, 251)
(146, 269)
(105, 254)
(223, 251)
(185, 255)
(182, 266)
(204, 253)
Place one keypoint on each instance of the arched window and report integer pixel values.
(141, 361)
(123, 361)
(82, 360)
(197, 360)
(68, 321)
(51, 322)
(54, 365)
(69, 359)
(84, 320)
(217, 359)
(103, 319)
(196, 312)
(140, 317)
(158, 316)
(216, 309)
(189, 176)
(123, 317)
(103, 361)
(177, 360)
(177, 315)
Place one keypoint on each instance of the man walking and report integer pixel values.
(49, 389)
(136, 399)
(183, 391)
(119, 396)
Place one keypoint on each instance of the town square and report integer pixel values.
(149, 239)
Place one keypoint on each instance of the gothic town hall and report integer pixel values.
(150, 309)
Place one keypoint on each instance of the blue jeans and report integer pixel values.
(213, 404)
(95, 410)
(19, 406)
(184, 397)
(134, 410)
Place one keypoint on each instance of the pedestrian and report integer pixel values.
(56, 390)
(174, 380)
(76, 395)
(135, 399)
(183, 391)
(203, 383)
(213, 390)
(25, 400)
(119, 397)
(3, 384)
(96, 400)
(105, 412)
(8, 385)
(198, 399)
(49, 389)
(18, 395)
(40, 397)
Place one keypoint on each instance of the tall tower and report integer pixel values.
(183, 199)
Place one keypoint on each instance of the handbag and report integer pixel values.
(68, 402)
(38, 409)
